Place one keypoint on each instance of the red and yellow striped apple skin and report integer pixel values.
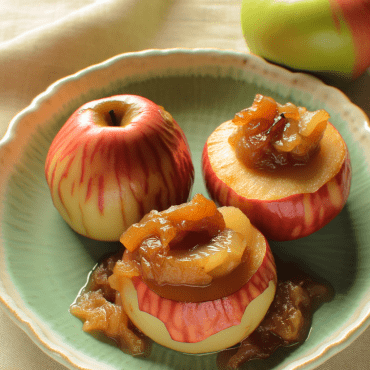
(287, 218)
(103, 179)
(189, 322)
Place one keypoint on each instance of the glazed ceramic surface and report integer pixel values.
(43, 263)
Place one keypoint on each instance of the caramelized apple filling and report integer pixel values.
(99, 306)
(270, 135)
(187, 245)
(288, 321)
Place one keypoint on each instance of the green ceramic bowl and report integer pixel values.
(43, 263)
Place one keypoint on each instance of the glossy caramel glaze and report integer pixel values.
(270, 136)
(288, 321)
(286, 324)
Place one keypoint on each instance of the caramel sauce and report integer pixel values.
(187, 245)
(270, 136)
(218, 288)
(198, 215)
(286, 324)
(189, 240)
(100, 308)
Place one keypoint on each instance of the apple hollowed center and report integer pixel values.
(192, 246)
(116, 113)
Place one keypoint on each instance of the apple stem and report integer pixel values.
(113, 118)
(279, 120)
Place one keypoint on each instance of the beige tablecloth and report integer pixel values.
(43, 41)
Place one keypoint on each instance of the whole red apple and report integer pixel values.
(113, 161)
(314, 35)
(289, 202)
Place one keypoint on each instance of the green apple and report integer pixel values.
(325, 36)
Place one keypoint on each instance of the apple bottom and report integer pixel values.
(201, 327)
(289, 218)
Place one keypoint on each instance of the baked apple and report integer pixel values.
(195, 278)
(286, 168)
(113, 161)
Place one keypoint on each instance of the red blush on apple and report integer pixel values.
(283, 198)
(188, 299)
(113, 161)
(190, 322)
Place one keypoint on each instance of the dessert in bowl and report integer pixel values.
(198, 279)
(215, 85)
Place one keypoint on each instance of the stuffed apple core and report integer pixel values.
(203, 249)
(207, 265)
(271, 135)
(286, 168)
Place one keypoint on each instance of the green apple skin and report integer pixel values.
(311, 35)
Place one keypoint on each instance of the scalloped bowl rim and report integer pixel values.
(11, 142)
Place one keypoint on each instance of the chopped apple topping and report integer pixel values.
(187, 244)
(100, 315)
(288, 321)
(270, 135)
(100, 308)
(171, 225)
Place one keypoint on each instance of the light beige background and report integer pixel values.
(42, 41)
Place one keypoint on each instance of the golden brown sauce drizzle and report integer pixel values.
(270, 136)
(99, 307)
(286, 324)
(288, 321)
(219, 287)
